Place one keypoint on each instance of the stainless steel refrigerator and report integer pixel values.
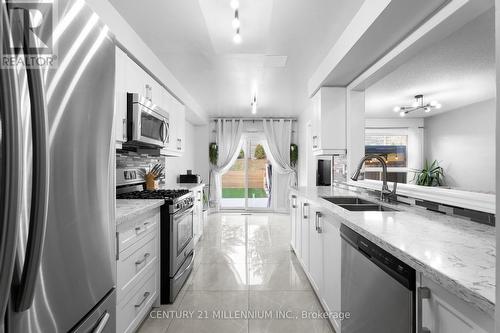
(57, 267)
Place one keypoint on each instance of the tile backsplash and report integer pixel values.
(128, 159)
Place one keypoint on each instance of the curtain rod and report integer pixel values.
(253, 119)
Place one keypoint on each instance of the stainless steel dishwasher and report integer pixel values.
(378, 290)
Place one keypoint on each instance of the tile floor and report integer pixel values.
(243, 266)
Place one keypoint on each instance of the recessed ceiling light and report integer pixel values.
(397, 109)
(402, 113)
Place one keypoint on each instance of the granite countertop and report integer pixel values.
(456, 253)
(129, 209)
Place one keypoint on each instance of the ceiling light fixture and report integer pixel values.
(417, 105)
(236, 20)
(235, 4)
(237, 37)
(254, 104)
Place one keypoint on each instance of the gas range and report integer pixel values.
(176, 199)
(176, 229)
(131, 186)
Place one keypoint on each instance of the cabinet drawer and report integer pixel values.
(135, 261)
(132, 311)
(127, 236)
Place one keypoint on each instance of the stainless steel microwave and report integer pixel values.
(147, 123)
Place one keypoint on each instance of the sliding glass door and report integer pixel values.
(247, 185)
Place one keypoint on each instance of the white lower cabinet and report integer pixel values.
(138, 272)
(324, 260)
(305, 220)
(443, 312)
(293, 221)
(316, 250)
(316, 242)
(330, 294)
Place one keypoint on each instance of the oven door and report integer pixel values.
(149, 127)
(181, 239)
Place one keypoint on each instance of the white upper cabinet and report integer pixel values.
(329, 121)
(177, 123)
(131, 78)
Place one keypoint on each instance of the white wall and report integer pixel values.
(306, 162)
(201, 142)
(462, 140)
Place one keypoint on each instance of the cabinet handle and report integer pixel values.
(138, 230)
(294, 201)
(144, 298)
(422, 293)
(148, 93)
(139, 262)
(319, 230)
(124, 129)
(304, 210)
(117, 246)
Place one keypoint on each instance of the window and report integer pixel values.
(394, 148)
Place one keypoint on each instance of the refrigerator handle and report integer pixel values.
(40, 189)
(10, 176)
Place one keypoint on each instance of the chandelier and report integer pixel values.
(417, 105)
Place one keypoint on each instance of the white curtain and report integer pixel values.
(228, 140)
(279, 137)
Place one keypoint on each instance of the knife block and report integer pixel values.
(151, 183)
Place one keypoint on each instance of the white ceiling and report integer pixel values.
(193, 38)
(457, 71)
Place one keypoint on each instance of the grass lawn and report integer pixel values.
(240, 193)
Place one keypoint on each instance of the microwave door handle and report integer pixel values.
(163, 131)
(10, 194)
(167, 131)
(40, 189)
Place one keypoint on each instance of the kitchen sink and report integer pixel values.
(367, 207)
(347, 200)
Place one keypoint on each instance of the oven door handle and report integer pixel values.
(186, 212)
(180, 274)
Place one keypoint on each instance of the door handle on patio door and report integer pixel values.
(39, 189)
(10, 177)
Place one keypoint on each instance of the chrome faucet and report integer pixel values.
(385, 194)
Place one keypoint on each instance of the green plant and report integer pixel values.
(241, 155)
(259, 153)
(294, 154)
(213, 153)
(431, 175)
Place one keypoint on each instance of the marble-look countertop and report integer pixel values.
(130, 209)
(189, 186)
(456, 253)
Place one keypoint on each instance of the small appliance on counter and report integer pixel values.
(190, 178)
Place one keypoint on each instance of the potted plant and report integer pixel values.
(213, 153)
(431, 175)
(294, 154)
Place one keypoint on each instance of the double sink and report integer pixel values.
(358, 205)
